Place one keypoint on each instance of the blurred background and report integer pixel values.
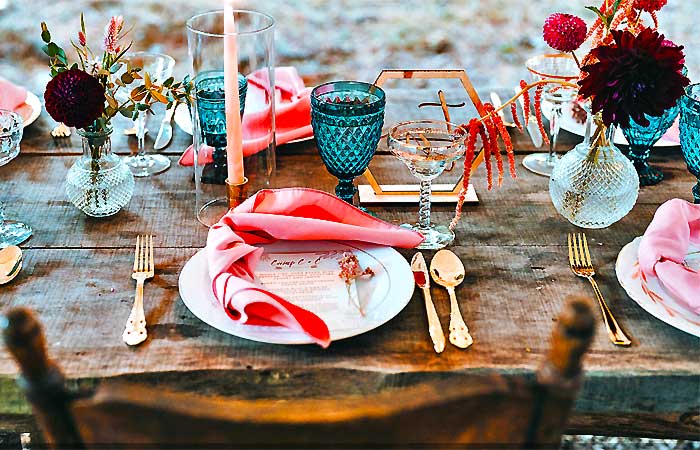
(330, 39)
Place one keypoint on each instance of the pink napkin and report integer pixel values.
(12, 97)
(292, 114)
(296, 214)
(664, 247)
(674, 133)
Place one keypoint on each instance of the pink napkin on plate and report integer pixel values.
(12, 97)
(674, 133)
(292, 114)
(296, 214)
(664, 246)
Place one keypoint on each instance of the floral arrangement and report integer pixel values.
(84, 94)
(630, 72)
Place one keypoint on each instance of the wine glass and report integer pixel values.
(347, 119)
(561, 67)
(690, 133)
(427, 147)
(642, 139)
(159, 67)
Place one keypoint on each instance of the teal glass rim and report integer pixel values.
(332, 89)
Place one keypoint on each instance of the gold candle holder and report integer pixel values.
(236, 192)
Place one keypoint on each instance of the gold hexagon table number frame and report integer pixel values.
(376, 193)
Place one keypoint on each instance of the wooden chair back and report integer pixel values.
(486, 410)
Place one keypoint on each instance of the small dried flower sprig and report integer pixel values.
(62, 92)
(350, 270)
(490, 129)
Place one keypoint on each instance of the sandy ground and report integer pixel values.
(343, 39)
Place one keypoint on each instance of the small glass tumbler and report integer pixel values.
(347, 118)
(11, 128)
(427, 147)
(690, 133)
(211, 104)
(641, 141)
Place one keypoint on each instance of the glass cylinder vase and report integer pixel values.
(99, 183)
(254, 39)
(594, 185)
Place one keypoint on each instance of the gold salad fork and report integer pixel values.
(135, 331)
(580, 262)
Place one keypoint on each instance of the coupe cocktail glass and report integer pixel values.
(427, 147)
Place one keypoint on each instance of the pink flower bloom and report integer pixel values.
(112, 33)
(81, 38)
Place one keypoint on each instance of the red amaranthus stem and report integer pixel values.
(526, 101)
(538, 113)
(473, 130)
(516, 119)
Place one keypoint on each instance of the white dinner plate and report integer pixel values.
(570, 124)
(31, 109)
(382, 296)
(652, 296)
(184, 121)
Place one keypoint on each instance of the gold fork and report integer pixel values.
(580, 262)
(135, 331)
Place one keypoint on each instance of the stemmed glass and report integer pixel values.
(560, 67)
(642, 139)
(347, 119)
(690, 133)
(159, 67)
(427, 147)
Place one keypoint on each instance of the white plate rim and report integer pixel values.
(634, 290)
(400, 279)
(184, 121)
(34, 102)
(568, 124)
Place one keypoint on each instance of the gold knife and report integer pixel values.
(422, 279)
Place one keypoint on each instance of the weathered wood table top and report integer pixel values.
(77, 271)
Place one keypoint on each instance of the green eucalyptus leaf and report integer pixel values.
(127, 78)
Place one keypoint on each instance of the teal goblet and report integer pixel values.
(642, 139)
(690, 133)
(347, 119)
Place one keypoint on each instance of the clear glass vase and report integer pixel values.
(99, 183)
(594, 185)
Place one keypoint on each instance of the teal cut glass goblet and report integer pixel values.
(347, 119)
(642, 139)
(690, 133)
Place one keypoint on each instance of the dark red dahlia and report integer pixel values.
(634, 76)
(75, 98)
(564, 32)
(650, 5)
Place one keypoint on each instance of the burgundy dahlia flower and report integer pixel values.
(75, 98)
(564, 32)
(634, 76)
(650, 5)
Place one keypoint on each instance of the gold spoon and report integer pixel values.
(448, 271)
(10, 263)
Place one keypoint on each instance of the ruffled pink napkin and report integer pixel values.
(12, 97)
(295, 214)
(292, 114)
(664, 246)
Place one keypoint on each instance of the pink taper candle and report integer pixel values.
(234, 130)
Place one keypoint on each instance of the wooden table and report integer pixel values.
(77, 277)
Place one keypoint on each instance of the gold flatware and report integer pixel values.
(448, 271)
(580, 262)
(135, 330)
(10, 263)
(420, 275)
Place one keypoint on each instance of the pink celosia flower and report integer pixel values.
(81, 39)
(112, 33)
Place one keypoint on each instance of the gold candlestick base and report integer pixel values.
(236, 192)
